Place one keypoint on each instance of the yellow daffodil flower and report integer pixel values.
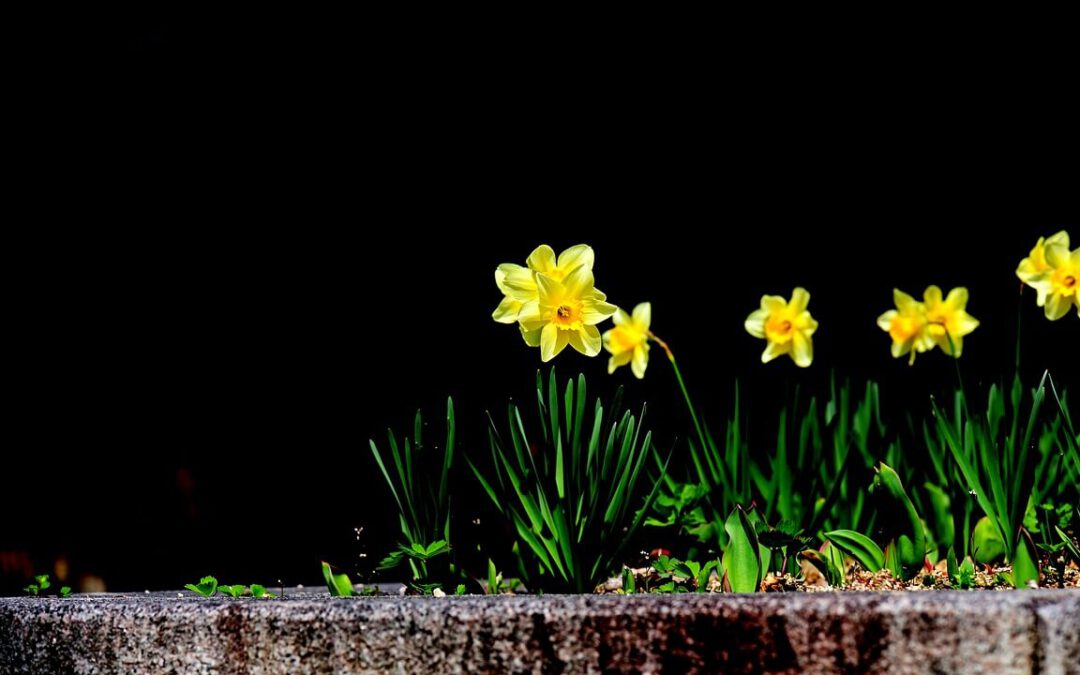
(947, 321)
(786, 325)
(518, 284)
(1059, 285)
(565, 312)
(906, 325)
(1036, 263)
(628, 341)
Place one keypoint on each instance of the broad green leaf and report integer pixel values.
(891, 560)
(987, 546)
(206, 587)
(741, 557)
(910, 541)
(858, 546)
(966, 573)
(944, 529)
(1024, 561)
(338, 584)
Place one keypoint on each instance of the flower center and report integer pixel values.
(624, 339)
(1070, 281)
(568, 316)
(937, 327)
(778, 328)
(903, 328)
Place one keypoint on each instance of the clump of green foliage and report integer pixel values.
(420, 485)
(208, 586)
(42, 584)
(834, 487)
(576, 492)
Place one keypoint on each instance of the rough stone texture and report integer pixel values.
(915, 632)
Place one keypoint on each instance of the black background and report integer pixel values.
(282, 256)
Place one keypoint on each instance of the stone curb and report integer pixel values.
(913, 632)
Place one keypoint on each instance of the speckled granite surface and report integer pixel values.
(932, 632)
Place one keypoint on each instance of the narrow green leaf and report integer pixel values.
(560, 471)
(382, 467)
(553, 406)
(1069, 543)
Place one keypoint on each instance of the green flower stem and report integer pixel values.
(682, 386)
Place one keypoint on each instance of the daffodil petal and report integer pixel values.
(595, 311)
(578, 281)
(580, 255)
(1057, 255)
(1074, 258)
(616, 360)
(552, 341)
(531, 337)
(950, 344)
(620, 317)
(775, 349)
(591, 338)
(755, 323)
(643, 316)
(529, 316)
(516, 281)
(551, 292)
(884, 321)
(900, 348)
(806, 323)
(594, 294)
(1057, 306)
(542, 259)
(1026, 270)
(640, 360)
(1058, 239)
(800, 298)
(507, 311)
(966, 323)
(802, 350)
(586, 340)
(773, 303)
(904, 302)
(957, 346)
(932, 296)
(957, 299)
